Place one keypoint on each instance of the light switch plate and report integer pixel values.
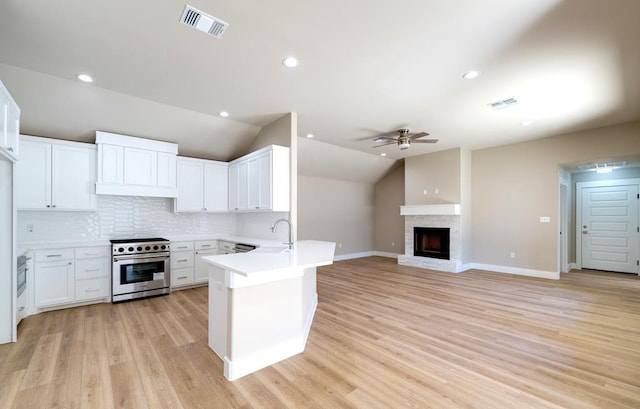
(545, 219)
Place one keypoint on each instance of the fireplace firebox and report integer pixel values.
(431, 242)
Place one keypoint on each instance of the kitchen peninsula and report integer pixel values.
(262, 303)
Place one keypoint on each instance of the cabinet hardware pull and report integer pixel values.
(91, 290)
(182, 277)
(91, 254)
(205, 245)
(182, 261)
(10, 149)
(21, 309)
(91, 269)
(48, 205)
(54, 255)
(182, 247)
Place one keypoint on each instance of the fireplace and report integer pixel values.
(431, 242)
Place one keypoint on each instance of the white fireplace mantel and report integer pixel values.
(433, 209)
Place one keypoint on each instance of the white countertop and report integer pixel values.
(274, 259)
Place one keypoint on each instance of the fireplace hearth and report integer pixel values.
(433, 242)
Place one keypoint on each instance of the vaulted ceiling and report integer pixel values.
(366, 67)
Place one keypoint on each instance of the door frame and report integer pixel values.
(563, 224)
(595, 183)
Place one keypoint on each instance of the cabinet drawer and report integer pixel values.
(181, 277)
(181, 259)
(181, 246)
(90, 252)
(206, 244)
(93, 268)
(90, 289)
(54, 254)
(225, 245)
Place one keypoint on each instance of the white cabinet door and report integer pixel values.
(253, 183)
(9, 124)
(265, 180)
(215, 185)
(190, 180)
(73, 177)
(33, 176)
(54, 283)
(201, 268)
(13, 130)
(140, 167)
(234, 185)
(242, 187)
(110, 163)
(166, 170)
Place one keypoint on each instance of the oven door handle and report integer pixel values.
(141, 258)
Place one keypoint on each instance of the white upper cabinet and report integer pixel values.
(9, 125)
(260, 181)
(130, 166)
(202, 185)
(55, 175)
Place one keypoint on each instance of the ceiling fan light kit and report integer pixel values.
(403, 139)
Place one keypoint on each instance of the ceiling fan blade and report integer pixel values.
(426, 141)
(418, 135)
(385, 144)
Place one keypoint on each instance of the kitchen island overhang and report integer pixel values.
(262, 303)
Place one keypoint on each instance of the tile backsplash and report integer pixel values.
(121, 217)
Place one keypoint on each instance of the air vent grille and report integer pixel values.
(502, 104)
(195, 18)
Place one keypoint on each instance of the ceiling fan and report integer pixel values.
(403, 139)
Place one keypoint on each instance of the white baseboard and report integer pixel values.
(353, 255)
(365, 254)
(554, 275)
(574, 266)
(386, 254)
(306, 326)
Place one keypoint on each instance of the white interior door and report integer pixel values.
(609, 229)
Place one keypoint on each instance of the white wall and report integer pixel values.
(337, 211)
(258, 225)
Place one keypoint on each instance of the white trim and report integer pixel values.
(435, 209)
(554, 275)
(306, 326)
(385, 254)
(263, 358)
(354, 255)
(109, 138)
(573, 266)
(134, 190)
(563, 224)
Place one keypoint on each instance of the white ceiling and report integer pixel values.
(366, 67)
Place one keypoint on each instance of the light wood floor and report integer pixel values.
(384, 336)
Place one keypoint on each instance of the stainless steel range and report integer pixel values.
(141, 268)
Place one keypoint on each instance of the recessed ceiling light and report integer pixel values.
(224, 114)
(84, 78)
(383, 154)
(290, 62)
(526, 123)
(310, 135)
(471, 75)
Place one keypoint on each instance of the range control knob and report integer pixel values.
(139, 248)
(163, 247)
(155, 247)
(130, 249)
(147, 248)
(120, 249)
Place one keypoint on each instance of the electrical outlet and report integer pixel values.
(30, 228)
(424, 192)
(393, 244)
(339, 245)
(513, 255)
(436, 191)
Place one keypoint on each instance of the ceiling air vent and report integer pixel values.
(203, 22)
(505, 103)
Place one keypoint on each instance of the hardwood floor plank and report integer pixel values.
(384, 336)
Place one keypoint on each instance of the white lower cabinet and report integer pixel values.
(54, 277)
(67, 275)
(203, 248)
(187, 267)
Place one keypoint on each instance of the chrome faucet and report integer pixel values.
(274, 228)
